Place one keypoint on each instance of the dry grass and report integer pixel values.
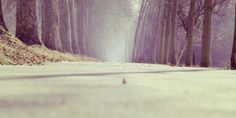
(14, 52)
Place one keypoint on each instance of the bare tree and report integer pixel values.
(206, 36)
(185, 22)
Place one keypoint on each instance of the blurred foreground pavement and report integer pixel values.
(95, 90)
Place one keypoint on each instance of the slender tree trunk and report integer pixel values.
(79, 25)
(2, 22)
(50, 25)
(157, 42)
(65, 27)
(206, 37)
(83, 25)
(74, 36)
(233, 56)
(27, 22)
(173, 32)
(86, 26)
(89, 26)
(190, 35)
(167, 37)
(162, 33)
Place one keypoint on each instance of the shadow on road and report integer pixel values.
(99, 74)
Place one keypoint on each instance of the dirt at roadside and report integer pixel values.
(14, 52)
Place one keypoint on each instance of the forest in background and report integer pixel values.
(185, 32)
(175, 32)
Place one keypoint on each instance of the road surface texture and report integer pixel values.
(95, 90)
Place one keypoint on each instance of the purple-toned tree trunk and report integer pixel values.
(173, 32)
(233, 55)
(190, 34)
(50, 25)
(27, 22)
(74, 36)
(2, 22)
(162, 36)
(206, 36)
(167, 36)
(65, 26)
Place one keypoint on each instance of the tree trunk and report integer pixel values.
(158, 42)
(206, 37)
(81, 21)
(74, 36)
(162, 33)
(65, 27)
(173, 32)
(190, 35)
(50, 25)
(167, 37)
(140, 34)
(137, 32)
(26, 22)
(80, 9)
(194, 59)
(233, 56)
(2, 22)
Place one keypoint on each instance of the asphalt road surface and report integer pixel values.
(96, 90)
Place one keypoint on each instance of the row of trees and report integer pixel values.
(86, 27)
(63, 23)
(160, 23)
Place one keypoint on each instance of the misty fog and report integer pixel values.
(113, 26)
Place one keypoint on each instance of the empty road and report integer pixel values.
(96, 90)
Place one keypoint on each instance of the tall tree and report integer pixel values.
(159, 42)
(80, 20)
(233, 55)
(50, 25)
(167, 33)
(26, 22)
(190, 34)
(2, 22)
(173, 32)
(65, 27)
(162, 33)
(206, 36)
(73, 21)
